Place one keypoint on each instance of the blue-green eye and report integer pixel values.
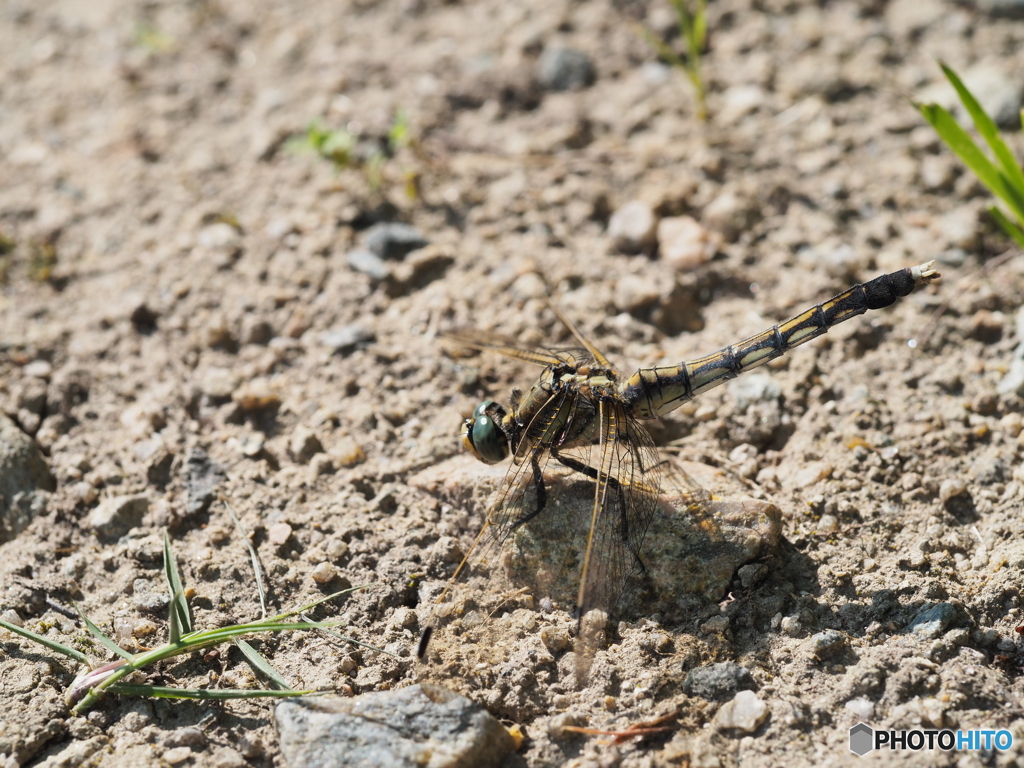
(482, 436)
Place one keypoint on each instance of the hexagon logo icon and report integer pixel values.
(862, 739)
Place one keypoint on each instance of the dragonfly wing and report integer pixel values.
(628, 473)
(503, 345)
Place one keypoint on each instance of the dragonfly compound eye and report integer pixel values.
(482, 436)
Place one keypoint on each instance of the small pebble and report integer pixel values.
(558, 725)
(861, 708)
(394, 240)
(367, 262)
(255, 396)
(189, 736)
(324, 573)
(347, 339)
(404, 617)
(304, 444)
(716, 625)
(555, 639)
(684, 244)
(279, 533)
(632, 228)
(827, 644)
(752, 574)
(790, 625)
(39, 369)
(745, 712)
(565, 69)
(828, 524)
(177, 755)
(951, 488)
(347, 453)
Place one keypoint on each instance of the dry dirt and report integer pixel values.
(178, 296)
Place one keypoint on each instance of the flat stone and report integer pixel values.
(421, 725)
(718, 682)
(25, 480)
(117, 515)
(932, 622)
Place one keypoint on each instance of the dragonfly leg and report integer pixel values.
(542, 496)
(615, 486)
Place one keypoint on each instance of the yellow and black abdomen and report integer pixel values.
(655, 391)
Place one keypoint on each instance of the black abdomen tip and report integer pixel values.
(884, 290)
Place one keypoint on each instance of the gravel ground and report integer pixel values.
(199, 309)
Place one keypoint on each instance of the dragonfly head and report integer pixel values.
(482, 434)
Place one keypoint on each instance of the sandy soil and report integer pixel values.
(181, 312)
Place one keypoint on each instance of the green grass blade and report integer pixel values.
(970, 153)
(103, 638)
(164, 692)
(179, 620)
(301, 608)
(989, 131)
(1015, 233)
(53, 645)
(261, 666)
(253, 557)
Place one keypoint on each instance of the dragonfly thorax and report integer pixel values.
(482, 434)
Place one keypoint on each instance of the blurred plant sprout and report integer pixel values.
(90, 686)
(1003, 177)
(345, 150)
(693, 27)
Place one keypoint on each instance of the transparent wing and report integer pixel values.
(492, 342)
(625, 501)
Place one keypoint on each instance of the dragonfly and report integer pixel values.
(582, 420)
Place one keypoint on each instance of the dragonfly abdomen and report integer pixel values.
(653, 392)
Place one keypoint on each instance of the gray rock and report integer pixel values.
(633, 228)
(394, 240)
(204, 478)
(25, 480)
(932, 622)
(347, 339)
(148, 599)
(408, 728)
(718, 682)
(565, 69)
(367, 262)
(117, 515)
(827, 644)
